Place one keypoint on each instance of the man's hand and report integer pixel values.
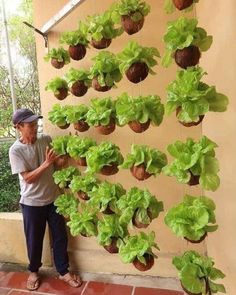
(51, 156)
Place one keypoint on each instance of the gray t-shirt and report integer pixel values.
(28, 157)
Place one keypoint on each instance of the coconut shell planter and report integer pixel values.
(187, 57)
(107, 129)
(112, 248)
(79, 88)
(58, 57)
(139, 127)
(77, 52)
(81, 126)
(101, 44)
(189, 124)
(140, 172)
(110, 169)
(129, 25)
(144, 267)
(98, 87)
(182, 4)
(62, 93)
(137, 72)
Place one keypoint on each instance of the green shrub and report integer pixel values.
(9, 184)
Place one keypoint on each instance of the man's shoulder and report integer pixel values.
(16, 146)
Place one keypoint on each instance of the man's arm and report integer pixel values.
(32, 176)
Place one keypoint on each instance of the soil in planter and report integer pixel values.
(65, 126)
(63, 92)
(187, 57)
(194, 179)
(139, 224)
(57, 64)
(77, 52)
(112, 248)
(78, 88)
(182, 4)
(81, 161)
(98, 87)
(139, 127)
(131, 27)
(137, 72)
(101, 44)
(141, 266)
(198, 241)
(140, 172)
(190, 124)
(108, 128)
(109, 169)
(81, 126)
(82, 195)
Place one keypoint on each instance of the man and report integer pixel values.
(31, 157)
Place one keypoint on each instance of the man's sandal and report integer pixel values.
(72, 280)
(32, 283)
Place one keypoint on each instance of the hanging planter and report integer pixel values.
(197, 274)
(137, 249)
(138, 112)
(138, 207)
(172, 5)
(58, 116)
(58, 57)
(64, 177)
(59, 88)
(137, 61)
(101, 30)
(83, 186)
(193, 161)
(144, 162)
(101, 114)
(66, 205)
(77, 42)
(104, 158)
(78, 81)
(59, 145)
(192, 99)
(77, 115)
(131, 14)
(185, 42)
(105, 71)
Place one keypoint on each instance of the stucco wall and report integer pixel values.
(85, 253)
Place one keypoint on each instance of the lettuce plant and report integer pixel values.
(66, 205)
(186, 5)
(85, 184)
(192, 97)
(59, 144)
(74, 75)
(59, 57)
(140, 109)
(63, 177)
(77, 147)
(149, 161)
(77, 113)
(76, 37)
(194, 161)
(104, 154)
(106, 195)
(186, 41)
(58, 115)
(197, 273)
(191, 218)
(59, 87)
(138, 206)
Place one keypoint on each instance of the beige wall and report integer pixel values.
(85, 253)
(218, 17)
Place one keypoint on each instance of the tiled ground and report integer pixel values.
(14, 283)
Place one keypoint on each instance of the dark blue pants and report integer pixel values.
(35, 219)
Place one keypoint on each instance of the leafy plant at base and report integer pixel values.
(59, 144)
(86, 184)
(77, 113)
(140, 109)
(139, 204)
(197, 273)
(58, 115)
(56, 85)
(77, 147)
(152, 159)
(63, 177)
(74, 75)
(194, 159)
(106, 153)
(66, 205)
(169, 6)
(193, 97)
(190, 219)
(183, 33)
(106, 195)
(59, 57)
(101, 112)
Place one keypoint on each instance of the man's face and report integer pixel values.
(29, 129)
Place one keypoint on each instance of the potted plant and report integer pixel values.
(104, 158)
(63, 177)
(139, 207)
(138, 249)
(59, 145)
(77, 41)
(197, 274)
(138, 112)
(105, 71)
(77, 148)
(78, 81)
(194, 163)
(110, 233)
(191, 218)
(137, 61)
(59, 57)
(105, 197)
(83, 186)
(101, 30)
(171, 5)
(102, 115)
(185, 42)
(192, 99)
(83, 222)
(131, 14)
(58, 116)
(144, 161)
(59, 87)
(77, 115)
(66, 205)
